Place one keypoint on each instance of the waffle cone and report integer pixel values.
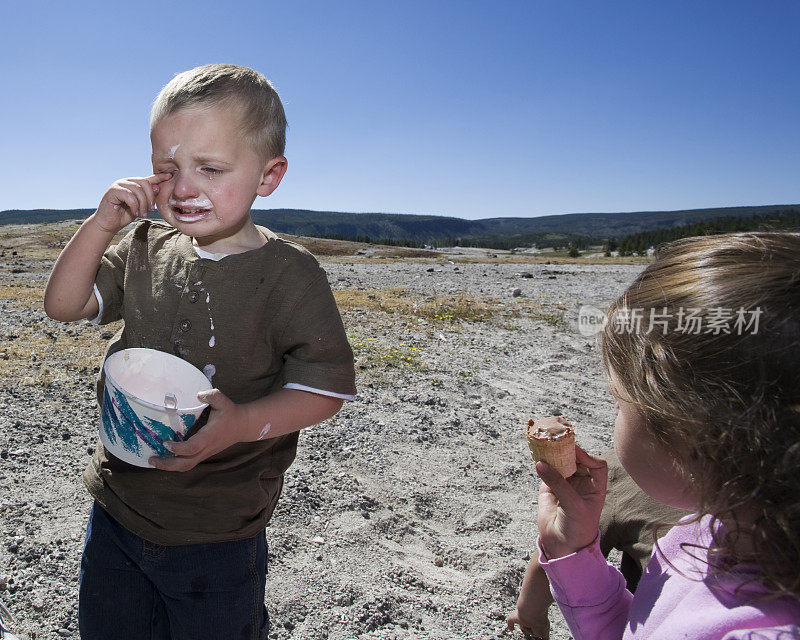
(559, 454)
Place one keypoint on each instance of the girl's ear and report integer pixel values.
(272, 175)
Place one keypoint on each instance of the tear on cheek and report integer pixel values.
(264, 431)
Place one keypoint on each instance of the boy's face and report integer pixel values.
(216, 175)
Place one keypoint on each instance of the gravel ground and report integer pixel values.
(410, 514)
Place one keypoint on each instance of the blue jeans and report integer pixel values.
(133, 589)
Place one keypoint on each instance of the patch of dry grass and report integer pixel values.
(325, 247)
(374, 353)
(26, 294)
(36, 242)
(450, 309)
(396, 300)
(34, 355)
(38, 357)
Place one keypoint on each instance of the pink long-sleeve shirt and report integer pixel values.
(698, 605)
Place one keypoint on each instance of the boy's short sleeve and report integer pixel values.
(314, 343)
(110, 279)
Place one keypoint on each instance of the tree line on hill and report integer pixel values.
(785, 219)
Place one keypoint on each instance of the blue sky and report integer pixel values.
(468, 109)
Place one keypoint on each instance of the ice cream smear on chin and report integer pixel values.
(192, 209)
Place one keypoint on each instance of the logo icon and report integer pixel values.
(591, 320)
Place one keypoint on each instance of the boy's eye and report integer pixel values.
(211, 170)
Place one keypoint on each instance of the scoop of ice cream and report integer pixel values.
(550, 428)
(552, 440)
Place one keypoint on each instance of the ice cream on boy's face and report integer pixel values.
(216, 176)
(190, 210)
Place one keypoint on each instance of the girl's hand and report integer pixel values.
(569, 509)
(128, 199)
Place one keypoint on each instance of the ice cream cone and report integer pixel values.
(553, 441)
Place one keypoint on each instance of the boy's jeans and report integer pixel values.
(133, 589)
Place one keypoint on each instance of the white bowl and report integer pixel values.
(149, 397)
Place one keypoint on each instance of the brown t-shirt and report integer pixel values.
(257, 321)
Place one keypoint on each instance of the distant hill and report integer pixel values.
(416, 230)
(42, 216)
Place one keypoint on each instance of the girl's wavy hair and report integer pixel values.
(263, 119)
(723, 397)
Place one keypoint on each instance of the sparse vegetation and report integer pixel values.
(26, 294)
(448, 310)
(436, 309)
(26, 355)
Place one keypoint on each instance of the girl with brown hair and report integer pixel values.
(703, 356)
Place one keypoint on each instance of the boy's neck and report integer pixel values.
(246, 239)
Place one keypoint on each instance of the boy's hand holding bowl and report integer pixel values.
(223, 429)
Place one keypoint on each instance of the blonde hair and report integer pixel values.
(724, 403)
(229, 85)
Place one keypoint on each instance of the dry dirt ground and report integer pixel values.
(410, 514)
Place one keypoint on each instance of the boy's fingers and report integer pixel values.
(186, 454)
(157, 178)
(141, 207)
(173, 464)
(161, 176)
(214, 398)
(150, 190)
(190, 447)
(126, 197)
(144, 192)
